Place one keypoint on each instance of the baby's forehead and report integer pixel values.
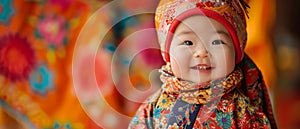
(200, 24)
(200, 20)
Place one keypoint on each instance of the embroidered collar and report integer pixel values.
(194, 93)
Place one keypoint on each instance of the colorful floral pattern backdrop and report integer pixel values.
(37, 41)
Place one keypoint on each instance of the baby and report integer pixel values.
(208, 80)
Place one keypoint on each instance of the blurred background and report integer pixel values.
(57, 58)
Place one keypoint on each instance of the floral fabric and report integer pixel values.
(37, 50)
(202, 93)
(231, 13)
(247, 106)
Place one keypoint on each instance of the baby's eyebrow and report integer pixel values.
(185, 32)
(223, 33)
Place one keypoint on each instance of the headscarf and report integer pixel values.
(230, 13)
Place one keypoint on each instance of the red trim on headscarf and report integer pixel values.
(208, 13)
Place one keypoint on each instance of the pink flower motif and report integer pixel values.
(17, 57)
(53, 29)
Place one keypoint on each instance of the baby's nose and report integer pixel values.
(200, 52)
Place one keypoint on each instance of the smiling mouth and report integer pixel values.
(202, 67)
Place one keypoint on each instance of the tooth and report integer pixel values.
(203, 67)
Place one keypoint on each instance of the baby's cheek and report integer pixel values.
(175, 66)
(179, 59)
(230, 61)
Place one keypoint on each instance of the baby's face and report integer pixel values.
(201, 50)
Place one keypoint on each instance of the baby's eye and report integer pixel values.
(217, 42)
(188, 42)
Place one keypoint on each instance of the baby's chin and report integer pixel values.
(198, 80)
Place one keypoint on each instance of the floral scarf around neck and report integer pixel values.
(194, 93)
(239, 100)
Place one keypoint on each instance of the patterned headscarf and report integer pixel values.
(230, 13)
